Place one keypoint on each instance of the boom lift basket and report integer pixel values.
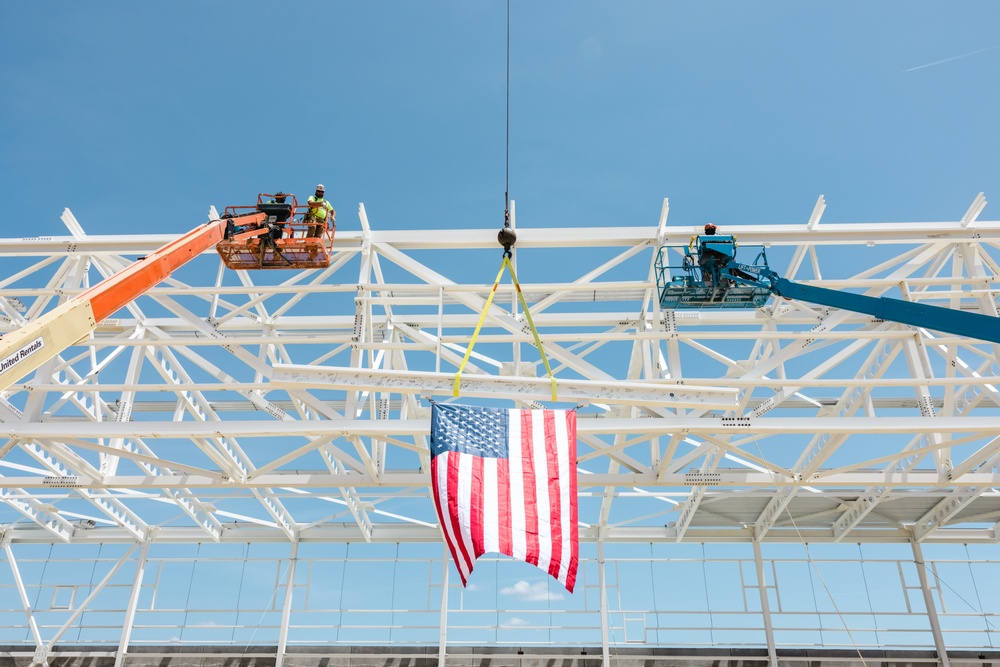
(695, 276)
(281, 242)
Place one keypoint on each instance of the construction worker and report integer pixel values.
(708, 259)
(278, 229)
(279, 198)
(321, 215)
(709, 231)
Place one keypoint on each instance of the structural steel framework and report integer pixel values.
(233, 407)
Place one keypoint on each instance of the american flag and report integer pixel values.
(504, 481)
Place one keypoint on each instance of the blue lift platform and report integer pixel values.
(702, 279)
(708, 276)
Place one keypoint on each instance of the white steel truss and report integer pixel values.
(231, 407)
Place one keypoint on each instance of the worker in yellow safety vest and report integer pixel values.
(321, 214)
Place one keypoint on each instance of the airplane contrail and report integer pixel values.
(948, 60)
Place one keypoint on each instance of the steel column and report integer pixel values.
(765, 605)
(443, 631)
(286, 609)
(602, 584)
(133, 602)
(23, 593)
(918, 559)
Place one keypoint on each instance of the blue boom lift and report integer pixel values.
(710, 277)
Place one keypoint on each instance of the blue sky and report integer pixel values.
(138, 116)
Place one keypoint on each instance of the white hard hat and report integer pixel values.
(320, 187)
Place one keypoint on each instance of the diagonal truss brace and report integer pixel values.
(44, 515)
(111, 506)
(349, 493)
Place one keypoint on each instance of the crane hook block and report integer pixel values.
(507, 238)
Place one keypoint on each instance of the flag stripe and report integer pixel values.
(451, 484)
(574, 526)
(439, 475)
(562, 465)
(477, 510)
(465, 505)
(491, 506)
(556, 502)
(505, 523)
(528, 487)
(543, 501)
(518, 546)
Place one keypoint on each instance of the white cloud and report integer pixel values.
(514, 623)
(537, 592)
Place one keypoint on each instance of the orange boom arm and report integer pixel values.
(26, 349)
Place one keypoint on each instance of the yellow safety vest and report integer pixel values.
(319, 207)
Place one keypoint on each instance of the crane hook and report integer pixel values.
(506, 237)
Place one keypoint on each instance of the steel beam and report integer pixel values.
(859, 233)
(428, 383)
(846, 483)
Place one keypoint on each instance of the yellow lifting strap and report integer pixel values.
(524, 305)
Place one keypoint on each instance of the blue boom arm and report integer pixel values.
(972, 325)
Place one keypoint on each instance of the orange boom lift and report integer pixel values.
(247, 237)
